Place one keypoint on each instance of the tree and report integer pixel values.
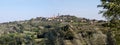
(112, 13)
(112, 9)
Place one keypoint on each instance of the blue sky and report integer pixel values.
(11, 10)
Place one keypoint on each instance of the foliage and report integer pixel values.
(112, 14)
(112, 9)
(41, 31)
(11, 39)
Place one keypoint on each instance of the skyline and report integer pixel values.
(15, 10)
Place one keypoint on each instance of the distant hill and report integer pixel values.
(59, 30)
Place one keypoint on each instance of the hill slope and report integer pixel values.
(59, 30)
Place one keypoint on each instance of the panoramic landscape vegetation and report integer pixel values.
(66, 29)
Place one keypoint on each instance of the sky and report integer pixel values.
(16, 10)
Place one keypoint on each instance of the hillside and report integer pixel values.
(59, 30)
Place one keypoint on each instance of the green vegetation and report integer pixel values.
(61, 30)
(112, 14)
